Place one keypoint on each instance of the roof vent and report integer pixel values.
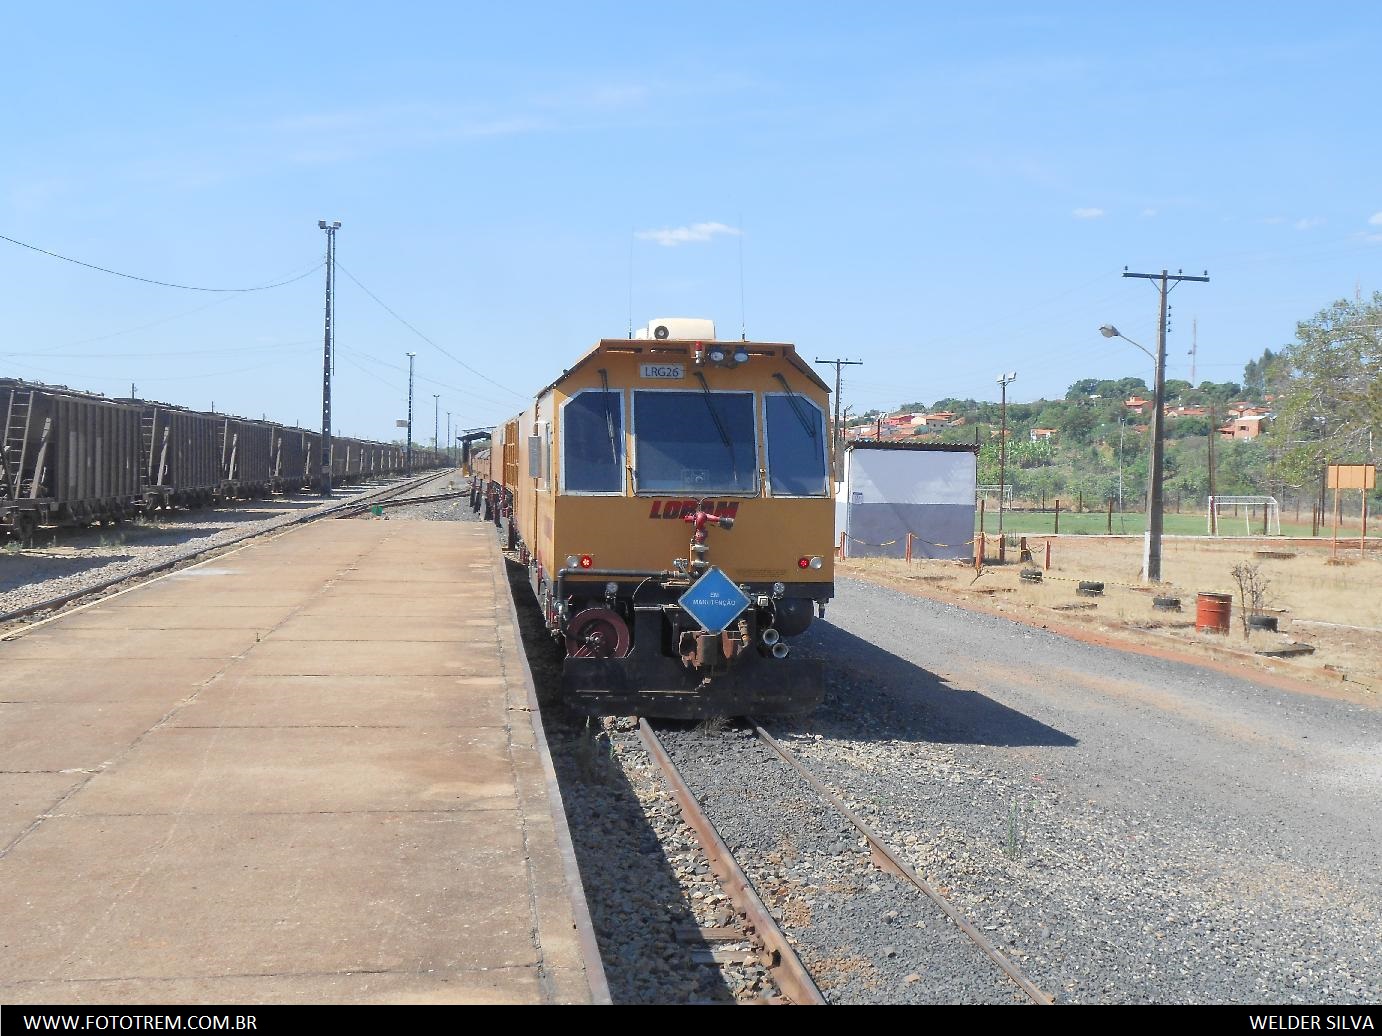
(681, 329)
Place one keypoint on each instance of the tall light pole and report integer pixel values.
(408, 452)
(327, 348)
(1165, 282)
(436, 421)
(1004, 380)
(450, 460)
(1151, 543)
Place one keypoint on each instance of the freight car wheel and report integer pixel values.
(26, 527)
(597, 633)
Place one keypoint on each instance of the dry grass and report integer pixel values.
(1335, 608)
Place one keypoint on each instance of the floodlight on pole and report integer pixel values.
(408, 452)
(328, 347)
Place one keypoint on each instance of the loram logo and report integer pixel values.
(675, 509)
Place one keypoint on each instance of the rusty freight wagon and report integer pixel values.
(67, 458)
(289, 460)
(246, 454)
(345, 460)
(180, 455)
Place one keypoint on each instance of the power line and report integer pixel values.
(434, 345)
(431, 381)
(162, 355)
(150, 280)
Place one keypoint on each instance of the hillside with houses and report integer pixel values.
(1092, 447)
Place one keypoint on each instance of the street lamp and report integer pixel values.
(328, 349)
(436, 420)
(1151, 546)
(1004, 380)
(408, 453)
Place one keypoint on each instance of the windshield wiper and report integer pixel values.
(719, 425)
(609, 417)
(796, 406)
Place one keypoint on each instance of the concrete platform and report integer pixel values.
(309, 771)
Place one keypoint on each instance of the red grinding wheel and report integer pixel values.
(597, 633)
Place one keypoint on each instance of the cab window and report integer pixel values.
(796, 446)
(695, 442)
(592, 442)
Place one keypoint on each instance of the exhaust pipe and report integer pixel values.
(781, 650)
(770, 637)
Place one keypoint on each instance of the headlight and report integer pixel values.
(779, 589)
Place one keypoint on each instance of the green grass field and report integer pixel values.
(1026, 523)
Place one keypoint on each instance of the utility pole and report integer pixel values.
(436, 421)
(1213, 511)
(1151, 566)
(839, 432)
(408, 451)
(450, 457)
(1004, 380)
(328, 348)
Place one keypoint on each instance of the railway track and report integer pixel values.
(347, 508)
(786, 968)
(867, 927)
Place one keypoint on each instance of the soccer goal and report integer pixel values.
(1260, 514)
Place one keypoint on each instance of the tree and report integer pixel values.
(1330, 403)
(1255, 374)
(1175, 388)
(1221, 391)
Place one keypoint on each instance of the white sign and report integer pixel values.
(400, 424)
(663, 371)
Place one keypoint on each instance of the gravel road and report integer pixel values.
(1129, 830)
(71, 560)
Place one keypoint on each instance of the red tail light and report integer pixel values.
(803, 562)
(587, 561)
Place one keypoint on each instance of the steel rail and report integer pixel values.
(887, 861)
(789, 973)
(52, 603)
(403, 502)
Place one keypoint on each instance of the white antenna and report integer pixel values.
(631, 238)
(743, 320)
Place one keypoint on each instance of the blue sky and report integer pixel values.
(945, 196)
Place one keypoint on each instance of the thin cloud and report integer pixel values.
(1148, 213)
(1375, 220)
(696, 233)
(1308, 224)
(1088, 213)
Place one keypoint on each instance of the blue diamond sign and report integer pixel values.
(714, 601)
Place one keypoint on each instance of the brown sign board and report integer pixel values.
(1352, 476)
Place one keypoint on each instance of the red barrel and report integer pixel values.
(1213, 611)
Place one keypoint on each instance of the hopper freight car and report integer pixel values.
(67, 458)
(671, 498)
(288, 460)
(245, 457)
(180, 456)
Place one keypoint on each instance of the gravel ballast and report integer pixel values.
(1128, 830)
(865, 936)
